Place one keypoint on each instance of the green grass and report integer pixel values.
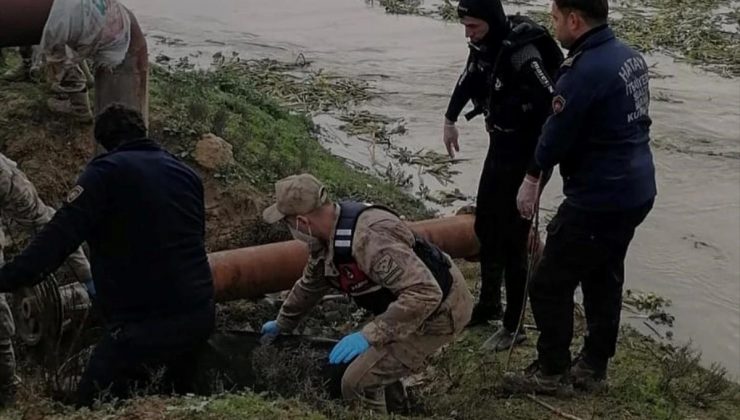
(270, 141)
(648, 381)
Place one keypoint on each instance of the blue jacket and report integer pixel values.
(599, 131)
(142, 214)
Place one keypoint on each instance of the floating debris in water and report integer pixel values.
(296, 85)
(651, 304)
(447, 198)
(662, 96)
(399, 7)
(699, 32)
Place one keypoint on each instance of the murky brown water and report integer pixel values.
(687, 250)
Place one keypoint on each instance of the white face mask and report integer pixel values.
(314, 244)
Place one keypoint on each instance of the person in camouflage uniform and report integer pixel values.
(68, 84)
(418, 295)
(20, 202)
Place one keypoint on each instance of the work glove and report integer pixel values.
(270, 331)
(527, 196)
(450, 137)
(348, 348)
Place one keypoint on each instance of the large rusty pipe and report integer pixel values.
(252, 272)
(22, 21)
(128, 83)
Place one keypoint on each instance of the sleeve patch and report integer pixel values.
(558, 104)
(74, 193)
(387, 270)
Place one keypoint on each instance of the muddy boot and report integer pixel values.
(534, 381)
(585, 378)
(74, 105)
(484, 312)
(502, 340)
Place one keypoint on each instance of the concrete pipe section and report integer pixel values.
(250, 273)
(22, 23)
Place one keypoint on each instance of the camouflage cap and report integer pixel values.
(295, 195)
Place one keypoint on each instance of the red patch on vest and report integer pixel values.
(351, 278)
(558, 103)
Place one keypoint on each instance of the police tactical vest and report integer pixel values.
(352, 281)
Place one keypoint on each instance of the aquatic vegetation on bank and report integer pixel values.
(399, 7)
(700, 32)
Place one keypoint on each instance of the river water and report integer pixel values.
(688, 249)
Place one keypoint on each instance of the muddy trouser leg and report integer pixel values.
(70, 80)
(7, 356)
(69, 92)
(111, 370)
(486, 222)
(602, 292)
(364, 381)
(127, 356)
(127, 83)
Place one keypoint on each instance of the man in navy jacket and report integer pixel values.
(141, 212)
(599, 134)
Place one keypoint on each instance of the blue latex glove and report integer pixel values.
(348, 348)
(270, 330)
(90, 286)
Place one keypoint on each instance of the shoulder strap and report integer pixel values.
(349, 212)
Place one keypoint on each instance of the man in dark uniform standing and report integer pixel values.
(508, 78)
(141, 212)
(599, 133)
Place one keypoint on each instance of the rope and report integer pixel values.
(532, 247)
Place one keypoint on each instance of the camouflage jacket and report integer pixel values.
(20, 202)
(382, 248)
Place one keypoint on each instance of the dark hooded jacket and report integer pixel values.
(508, 75)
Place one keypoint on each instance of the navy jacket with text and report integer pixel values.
(599, 131)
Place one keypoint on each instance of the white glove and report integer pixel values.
(450, 138)
(527, 196)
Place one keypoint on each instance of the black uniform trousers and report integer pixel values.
(132, 356)
(501, 231)
(587, 248)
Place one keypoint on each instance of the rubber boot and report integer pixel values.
(587, 378)
(502, 340)
(534, 381)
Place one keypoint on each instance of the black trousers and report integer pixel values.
(501, 231)
(132, 356)
(586, 248)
